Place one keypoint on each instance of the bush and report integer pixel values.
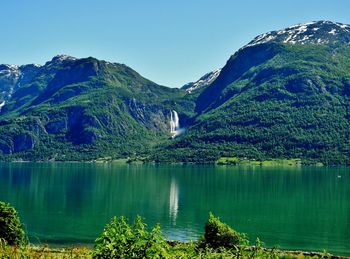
(120, 240)
(218, 234)
(11, 229)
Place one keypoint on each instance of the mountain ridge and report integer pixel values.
(202, 82)
(74, 104)
(316, 32)
(281, 97)
(276, 99)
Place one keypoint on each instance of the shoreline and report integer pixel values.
(221, 161)
(247, 163)
(36, 251)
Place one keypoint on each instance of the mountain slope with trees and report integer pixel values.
(82, 109)
(283, 95)
(277, 98)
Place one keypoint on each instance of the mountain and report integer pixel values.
(201, 83)
(283, 95)
(9, 75)
(81, 109)
(286, 94)
(321, 33)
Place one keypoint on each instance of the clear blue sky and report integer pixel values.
(169, 42)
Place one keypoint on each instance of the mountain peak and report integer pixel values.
(205, 80)
(317, 32)
(62, 57)
(9, 67)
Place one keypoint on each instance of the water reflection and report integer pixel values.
(296, 208)
(173, 201)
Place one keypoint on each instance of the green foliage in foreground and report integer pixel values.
(179, 250)
(43, 252)
(120, 240)
(218, 234)
(11, 228)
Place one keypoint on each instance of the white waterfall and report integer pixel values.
(2, 105)
(174, 123)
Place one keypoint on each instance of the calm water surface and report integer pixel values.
(293, 207)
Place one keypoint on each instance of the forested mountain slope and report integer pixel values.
(283, 95)
(78, 109)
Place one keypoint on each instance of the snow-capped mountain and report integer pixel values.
(9, 76)
(12, 77)
(205, 80)
(61, 58)
(320, 32)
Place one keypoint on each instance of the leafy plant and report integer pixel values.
(120, 240)
(11, 228)
(221, 235)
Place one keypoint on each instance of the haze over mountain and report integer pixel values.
(283, 95)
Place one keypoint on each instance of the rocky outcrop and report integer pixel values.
(154, 117)
(56, 127)
(19, 143)
(6, 148)
(23, 142)
(79, 126)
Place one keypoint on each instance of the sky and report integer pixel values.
(169, 42)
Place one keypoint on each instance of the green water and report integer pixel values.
(304, 208)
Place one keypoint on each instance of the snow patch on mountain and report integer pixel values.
(321, 32)
(205, 80)
(333, 31)
(8, 70)
(61, 58)
(9, 76)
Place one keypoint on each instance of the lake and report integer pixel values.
(305, 208)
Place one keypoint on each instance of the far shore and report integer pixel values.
(223, 161)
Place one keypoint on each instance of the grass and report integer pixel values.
(272, 162)
(176, 250)
(44, 252)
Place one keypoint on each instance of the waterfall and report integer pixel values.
(174, 123)
(2, 105)
(175, 129)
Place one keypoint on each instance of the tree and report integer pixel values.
(218, 234)
(11, 228)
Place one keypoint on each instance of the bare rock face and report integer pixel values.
(19, 142)
(56, 127)
(6, 148)
(23, 142)
(81, 127)
(154, 117)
